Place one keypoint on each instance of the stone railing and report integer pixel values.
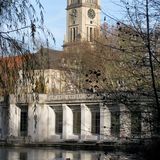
(64, 97)
(44, 98)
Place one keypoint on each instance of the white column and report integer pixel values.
(46, 122)
(33, 120)
(105, 122)
(51, 123)
(125, 122)
(85, 122)
(41, 122)
(67, 122)
(18, 119)
(14, 120)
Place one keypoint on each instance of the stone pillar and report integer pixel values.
(46, 122)
(41, 122)
(105, 122)
(38, 120)
(125, 122)
(32, 127)
(51, 123)
(85, 122)
(14, 120)
(67, 122)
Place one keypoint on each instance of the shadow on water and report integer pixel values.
(57, 154)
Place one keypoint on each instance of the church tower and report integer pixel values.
(83, 20)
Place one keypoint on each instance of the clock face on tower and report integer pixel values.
(74, 13)
(91, 13)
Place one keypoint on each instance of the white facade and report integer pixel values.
(55, 82)
(78, 117)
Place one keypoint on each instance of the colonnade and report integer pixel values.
(65, 122)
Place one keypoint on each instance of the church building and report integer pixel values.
(59, 117)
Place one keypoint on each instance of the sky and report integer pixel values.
(55, 17)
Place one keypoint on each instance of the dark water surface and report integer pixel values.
(57, 154)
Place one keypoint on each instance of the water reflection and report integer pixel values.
(23, 155)
(55, 154)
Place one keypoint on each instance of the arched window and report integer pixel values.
(73, 34)
(90, 34)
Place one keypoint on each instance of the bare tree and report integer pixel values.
(143, 26)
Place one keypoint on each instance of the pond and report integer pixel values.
(58, 154)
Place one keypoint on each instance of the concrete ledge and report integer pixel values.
(87, 145)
